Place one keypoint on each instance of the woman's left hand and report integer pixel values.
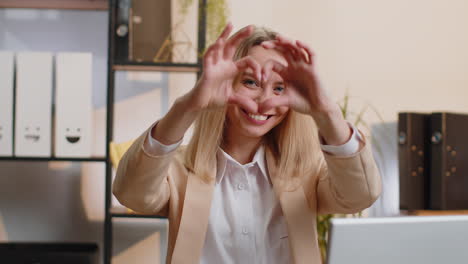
(303, 91)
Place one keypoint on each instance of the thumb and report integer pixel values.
(272, 103)
(244, 102)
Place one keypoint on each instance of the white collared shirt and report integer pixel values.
(246, 223)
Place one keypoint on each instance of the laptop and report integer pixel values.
(402, 240)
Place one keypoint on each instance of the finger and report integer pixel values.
(274, 45)
(285, 42)
(283, 49)
(308, 50)
(217, 51)
(222, 38)
(217, 47)
(208, 57)
(271, 103)
(226, 32)
(287, 53)
(288, 50)
(244, 102)
(290, 58)
(274, 66)
(304, 56)
(235, 40)
(269, 44)
(301, 50)
(248, 62)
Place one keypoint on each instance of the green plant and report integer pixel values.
(217, 12)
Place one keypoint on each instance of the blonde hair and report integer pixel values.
(294, 142)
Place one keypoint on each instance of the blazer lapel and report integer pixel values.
(299, 218)
(197, 203)
(194, 220)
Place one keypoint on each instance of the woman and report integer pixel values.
(250, 183)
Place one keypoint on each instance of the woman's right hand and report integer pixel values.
(215, 89)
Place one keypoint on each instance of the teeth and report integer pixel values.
(258, 117)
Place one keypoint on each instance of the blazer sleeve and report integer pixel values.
(346, 184)
(141, 182)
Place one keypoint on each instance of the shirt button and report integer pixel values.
(241, 186)
(245, 231)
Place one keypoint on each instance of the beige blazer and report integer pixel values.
(161, 185)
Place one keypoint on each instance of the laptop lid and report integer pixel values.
(403, 240)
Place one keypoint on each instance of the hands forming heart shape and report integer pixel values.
(302, 92)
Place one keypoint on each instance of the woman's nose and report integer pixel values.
(264, 94)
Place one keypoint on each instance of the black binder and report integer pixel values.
(413, 159)
(449, 161)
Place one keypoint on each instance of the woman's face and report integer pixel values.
(253, 125)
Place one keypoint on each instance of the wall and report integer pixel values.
(405, 55)
(390, 56)
(383, 53)
(397, 55)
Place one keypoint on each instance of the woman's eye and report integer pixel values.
(279, 89)
(250, 83)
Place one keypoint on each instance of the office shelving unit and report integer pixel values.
(117, 54)
(56, 4)
(85, 5)
(92, 159)
(113, 65)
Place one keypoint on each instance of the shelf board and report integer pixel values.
(162, 67)
(57, 4)
(126, 213)
(91, 159)
(435, 212)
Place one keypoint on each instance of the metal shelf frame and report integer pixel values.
(125, 213)
(161, 67)
(91, 159)
(115, 65)
(112, 67)
(89, 5)
(138, 216)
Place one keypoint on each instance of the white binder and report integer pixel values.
(73, 105)
(33, 104)
(6, 103)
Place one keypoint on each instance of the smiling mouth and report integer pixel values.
(73, 139)
(256, 118)
(34, 138)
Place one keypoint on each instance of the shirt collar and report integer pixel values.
(223, 158)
